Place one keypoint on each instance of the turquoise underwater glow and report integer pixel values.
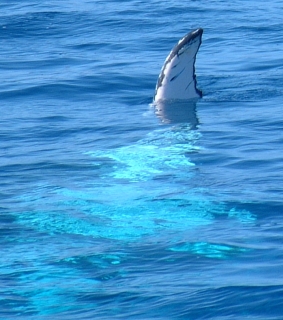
(141, 190)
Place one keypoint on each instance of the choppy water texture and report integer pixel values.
(111, 211)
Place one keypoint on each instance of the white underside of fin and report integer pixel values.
(177, 79)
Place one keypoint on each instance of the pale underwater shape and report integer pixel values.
(209, 250)
(145, 192)
(129, 220)
(162, 152)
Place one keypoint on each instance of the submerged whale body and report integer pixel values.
(177, 79)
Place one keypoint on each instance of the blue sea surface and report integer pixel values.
(113, 210)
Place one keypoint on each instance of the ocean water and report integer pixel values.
(111, 210)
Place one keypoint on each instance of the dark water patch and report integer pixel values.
(37, 24)
(38, 64)
(51, 91)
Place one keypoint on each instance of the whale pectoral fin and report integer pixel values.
(177, 79)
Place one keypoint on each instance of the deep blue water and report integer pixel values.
(110, 211)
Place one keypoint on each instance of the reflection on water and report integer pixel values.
(177, 111)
